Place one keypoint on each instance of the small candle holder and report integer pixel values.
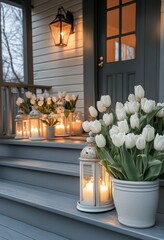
(35, 125)
(95, 182)
(76, 124)
(21, 126)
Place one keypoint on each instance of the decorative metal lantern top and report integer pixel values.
(21, 125)
(35, 123)
(95, 182)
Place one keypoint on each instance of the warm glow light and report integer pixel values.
(104, 196)
(88, 192)
(60, 129)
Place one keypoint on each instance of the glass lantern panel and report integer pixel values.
(66, 29)
(88, 195)
(19, 128)
(104, 186)
(34, 127)
(25, 128)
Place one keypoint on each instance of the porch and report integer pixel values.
(39, 180)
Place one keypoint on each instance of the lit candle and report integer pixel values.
(34, 132)
(104, 196)
(60, 129)
(76, 127)
(19, 133)
(88, 192)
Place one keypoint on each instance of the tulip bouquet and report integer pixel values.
(26, 104)
(130, 138)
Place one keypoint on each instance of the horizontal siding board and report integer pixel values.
(61, 81)
(57, 64)
(73, 88)
(49, 50)
(59, 55)
(59, 72)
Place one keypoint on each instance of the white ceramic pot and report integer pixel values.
(136, 202)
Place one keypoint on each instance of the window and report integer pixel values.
(12, 43)
(120, 30)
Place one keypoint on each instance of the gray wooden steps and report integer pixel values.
(56, 212)
(11, 229)
(47, 174)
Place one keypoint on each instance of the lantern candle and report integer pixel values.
(104, 193)
(88, 192)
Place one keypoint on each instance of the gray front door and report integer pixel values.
(127, 47)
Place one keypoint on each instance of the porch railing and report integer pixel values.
(9, 92)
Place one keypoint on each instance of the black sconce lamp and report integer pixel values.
(61, 27)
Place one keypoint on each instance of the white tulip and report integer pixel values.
(118, 139)
(106, 100)
(133, 107)
(19, 101)
(100, 141)
(33, 97)
(131, 98)
(140, 142)
(41, 98)
(148, 106)
(40, 103)
(54, 99)
(114, 130)
(86, 126)
(67, 98)
(160, 113)
(121, 114)
(134, 121)
(95, 126)
(130, 140)
(139, 92)
(28, 94)
(74, 97)
(32, 101)
(119, 105)
(123, 126)
(143, 100)
(148, 132)
(60, 95)
(100, 107)
(108, 118)
(126, 107)
(159, 142)
(93, 112)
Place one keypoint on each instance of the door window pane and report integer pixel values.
(128, 18)
(126, 1)
(113, 23)
(128, 47)
(112, 3)
(112, 50)
(12, 43)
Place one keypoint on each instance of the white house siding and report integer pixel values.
(59, 67)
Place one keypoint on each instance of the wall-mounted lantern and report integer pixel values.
(61, 27)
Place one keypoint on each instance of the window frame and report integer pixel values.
(27, 40)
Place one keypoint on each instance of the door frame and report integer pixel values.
(152, 58)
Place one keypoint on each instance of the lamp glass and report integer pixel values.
(60, 32)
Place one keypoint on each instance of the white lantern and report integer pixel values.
(95, 182)
(35, 125)
(21, 126)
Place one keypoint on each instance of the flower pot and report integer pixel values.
(50, 132)
(136, 202)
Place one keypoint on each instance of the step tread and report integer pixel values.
(65, 204)
(11, 229)
(46, 166)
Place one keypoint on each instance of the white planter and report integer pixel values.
(136, 202)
